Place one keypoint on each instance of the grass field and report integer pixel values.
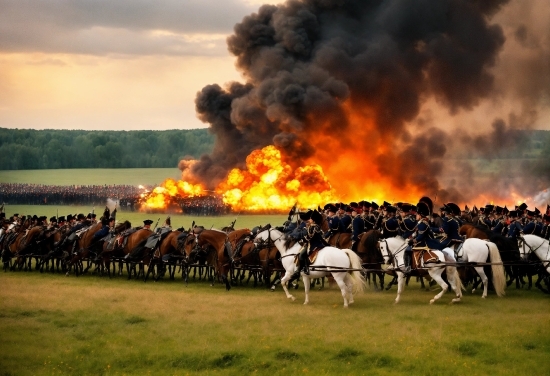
(90, 325)
(130, 176)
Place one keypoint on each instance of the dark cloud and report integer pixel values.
(122, 26)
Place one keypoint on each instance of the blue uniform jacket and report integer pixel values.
(345, 221)
(390, 227)
(358, 227)
(407, 226)
(333, 223)
(515, 229)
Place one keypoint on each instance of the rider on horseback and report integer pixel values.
(313, 240)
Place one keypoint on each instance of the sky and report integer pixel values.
(138, 64)
(113, 65)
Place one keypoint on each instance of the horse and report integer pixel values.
(221, 258)
(371, 258)
(330, 261)
(393, 250)
(53, 253)
(474, 250)
(341, 240)
(507, 247)
(535, 245)
(82, 249)
(169, 248)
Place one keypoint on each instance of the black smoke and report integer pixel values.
(307, 63)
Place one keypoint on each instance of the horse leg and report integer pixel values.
(435, 273)
(349, 287)
(307, 285)
(484, 279)
(392, 282)
(284, 283)
(400, 286)
(454, 281)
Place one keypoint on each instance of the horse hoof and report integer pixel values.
(432, 301)
(483, 297)
(456, 300)
(292, 298)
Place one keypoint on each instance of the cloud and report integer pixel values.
(98, 27)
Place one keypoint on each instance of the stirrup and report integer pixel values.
(305, 269)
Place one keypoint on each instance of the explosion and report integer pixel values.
(167, 194)
(269, 184)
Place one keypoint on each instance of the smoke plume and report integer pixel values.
(384, 93)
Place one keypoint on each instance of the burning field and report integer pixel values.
(351, 100)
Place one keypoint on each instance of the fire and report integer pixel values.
(270, 184)
(167, 194)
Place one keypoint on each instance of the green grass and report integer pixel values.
(90, 325)
(130, 176)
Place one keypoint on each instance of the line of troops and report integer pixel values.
(76, 225)
(418, 224)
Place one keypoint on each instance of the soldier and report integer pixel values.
(423, 233)
(451, 225)
(345, 220)
(390, 224)
(546, 229)
(514, 229)
(407, 224)
(358, 227)
(366, 215)
(313, 239)
(332, 219)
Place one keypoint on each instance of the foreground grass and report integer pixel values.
(53, 324)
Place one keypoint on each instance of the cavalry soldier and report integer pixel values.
(367, 216)
(390, 224)
(345, 220)
(514, 229)
(451, 225)
(332, 219)
(107, 223)
(546, 229)
(423, 233)
(532, 227)
(407, 225)
(313, 239)
(358, 227)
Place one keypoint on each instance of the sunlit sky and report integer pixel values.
(113, 65)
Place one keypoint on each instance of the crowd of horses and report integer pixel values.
(235, 256)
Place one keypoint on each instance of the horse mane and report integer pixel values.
(289, 241)
(484, 229)
(504, 243)
(123, 226)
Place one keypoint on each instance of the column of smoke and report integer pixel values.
(408, 86)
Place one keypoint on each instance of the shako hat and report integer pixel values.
(147, 222)
(453, 208)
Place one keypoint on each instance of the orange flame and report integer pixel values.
(270, 184)
(166, 195)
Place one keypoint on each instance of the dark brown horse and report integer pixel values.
(220, 251)
(371, 257)
(82, 250)
(341, 240)
(12, 242)
(169, 252)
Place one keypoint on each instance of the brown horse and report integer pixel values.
(122, 246)
(28, 247)
(168, 253)
(14, 239)
(341, 240)
(220, 254)
(82, 250)
(53, 253)
(371, 257)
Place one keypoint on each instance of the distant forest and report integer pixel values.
(23, 149)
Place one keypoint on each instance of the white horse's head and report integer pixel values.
(383, 246)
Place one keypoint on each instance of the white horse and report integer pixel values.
(329, 260)
(393, 251)
(537, 245)
(479, 251)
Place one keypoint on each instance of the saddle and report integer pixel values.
(312, 256)
(422, 256)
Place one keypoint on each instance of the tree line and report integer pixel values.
(26, 149)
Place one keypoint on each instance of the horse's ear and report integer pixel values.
(193, 224)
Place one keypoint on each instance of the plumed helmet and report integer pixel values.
(428, 203)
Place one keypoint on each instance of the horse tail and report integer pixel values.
(357, 279)
(499, 280)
